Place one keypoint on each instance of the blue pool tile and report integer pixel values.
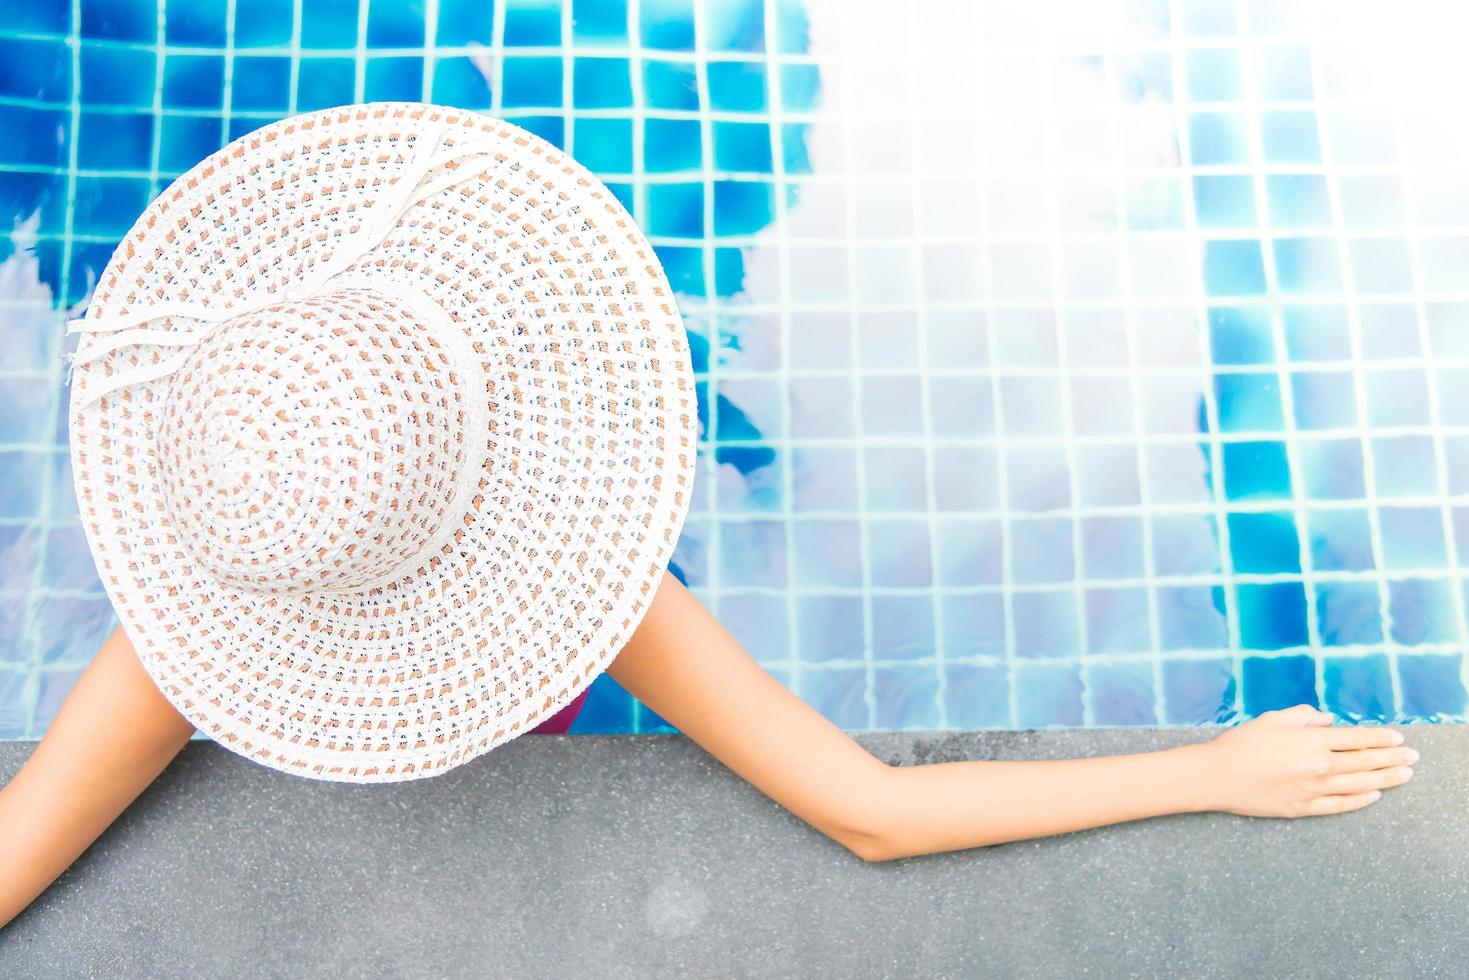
(115, 141)
(737, 86)
(1272, 616)
(1398, 397)
(902, 627)
(827, 553)
(1278, 682)
(597, 22)
(196, 23)
(1213, 75)
(69, 630)
(36, 68)
(800, 86)
(1121, 694)
(973, 624)
(1290, 137)
(1219, 138)
(1317, 332)
(1389, 329)
(1045, 624)
(753, 552)
(742, 207)
(906, 699)
(672, 146)
(459, 82)
(1332, 469)
(1412, 538)
(829, 627)
(670, 85)
(1241, 335)
(792, 27)
(1284, 74)
(899, 552)
(1349, 613)
(327, 24)
(192, 82)
(742, 147)
(20, 491)
(1209, 18)
(324, 82)
(840, 694)
(109, 205)
(1117, 621)
(1112, 547)
(395, 25)
(267, 23)
(1422, 611)
(976, 697)
(31, 135)
(1185, 544)
(1248, 402)
(892, 405)
(1432, 686)
(27, 401)
(261, 84)
(970, 552)
(1233, 268)
(1298, 200)
(1264, 543)
(1198, 692)
(1341, 540)
(20, 546)
(734, 27)
(69, 564)
(393, 79)
(961, 406)
(1041, 550)
(1191, 617)
(1324, 399)
(896, 478)
(824, 478)
(185, 140)
(527, 25)
(1307, 265)
(667, 25)
(676, 210)
(683, 266)
(1405, 466)
(1359, 688)
(119, 20)
(529, 81)
(1382, 265)
(1256, 471)
(604, 145)
(1048, 695)
(601, 83)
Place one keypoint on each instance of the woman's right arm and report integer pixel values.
(114, 734)
(685, 666)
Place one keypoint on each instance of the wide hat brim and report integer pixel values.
(586, 484)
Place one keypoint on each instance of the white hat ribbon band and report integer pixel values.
(132, 327)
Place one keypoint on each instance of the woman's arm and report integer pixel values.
(113, 736)
(685, 666)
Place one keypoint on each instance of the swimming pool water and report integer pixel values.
(1062, 363)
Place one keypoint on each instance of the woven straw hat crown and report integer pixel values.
(382, 431)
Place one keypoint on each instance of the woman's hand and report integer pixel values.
(1292, 763)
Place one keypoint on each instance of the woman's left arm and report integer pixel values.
(685, 666)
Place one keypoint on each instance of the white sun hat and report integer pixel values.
(383, 433)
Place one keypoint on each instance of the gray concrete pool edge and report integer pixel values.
(644, 857)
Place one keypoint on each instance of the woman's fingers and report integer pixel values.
(1353, 783)
(1365, 759)
(1323, 805)
(1362, 737)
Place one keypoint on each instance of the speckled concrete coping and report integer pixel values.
(643, 857)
